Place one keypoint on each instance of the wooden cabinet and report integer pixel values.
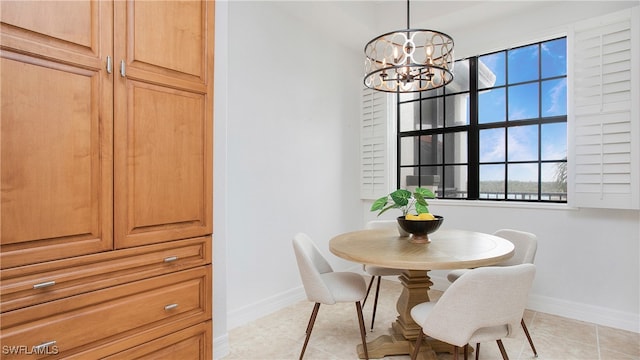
(163, 153)
(106, 176)
(176, 300)
(56, 136)
(52, 280)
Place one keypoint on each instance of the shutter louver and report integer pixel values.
(605, 129)
(374, 166)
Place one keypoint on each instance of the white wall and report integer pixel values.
(221, 67)
(286, 160)
(291, 145)
(587, 260)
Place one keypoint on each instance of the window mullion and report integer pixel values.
(473, 150)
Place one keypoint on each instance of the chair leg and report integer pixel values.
(477, 350)
(416, 346)
(455, 352)
(368, 290)
(526, 332)
(502, 350)
(363, 331)
(375, 303)
(312, 320)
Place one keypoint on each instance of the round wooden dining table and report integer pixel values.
(448, 249)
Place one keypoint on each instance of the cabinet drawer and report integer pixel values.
(192, 343)
(108, 315)
(34, 284)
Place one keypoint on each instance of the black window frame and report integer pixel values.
(473, 129)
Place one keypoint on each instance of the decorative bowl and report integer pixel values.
(420, 229)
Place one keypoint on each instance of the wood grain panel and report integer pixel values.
(163, 165)
(55, 171)
(78, 32)
(175, 46)
(69, 21)
(164, 190)
(167, 161)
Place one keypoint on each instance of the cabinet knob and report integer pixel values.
(170, 259)
(44, 284)
(170, 307)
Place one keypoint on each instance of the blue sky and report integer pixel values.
(523, 103)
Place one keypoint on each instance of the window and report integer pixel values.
(497, 132)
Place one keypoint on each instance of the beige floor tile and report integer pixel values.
(552, 347)
(606, 354)
(558, 326)
(279, 336)
(619, 341)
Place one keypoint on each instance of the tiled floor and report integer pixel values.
(335, 335)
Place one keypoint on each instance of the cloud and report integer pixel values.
(557, 95)
(492, 145)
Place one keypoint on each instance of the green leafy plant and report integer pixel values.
(405, 201)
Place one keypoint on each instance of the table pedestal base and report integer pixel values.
(388, 345)
(404, 331)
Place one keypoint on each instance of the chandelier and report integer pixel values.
(410, 60)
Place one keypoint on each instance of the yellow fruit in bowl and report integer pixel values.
(423, 216)
(426, 216)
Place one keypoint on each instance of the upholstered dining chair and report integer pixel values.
(377, 272)
(484, 304)
(526, 245)
(324, 286)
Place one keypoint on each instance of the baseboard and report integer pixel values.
(221, 346)
(584, 312)
(251, 312)
(572, 310)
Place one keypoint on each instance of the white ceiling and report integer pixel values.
(355, 22)
(365, 19)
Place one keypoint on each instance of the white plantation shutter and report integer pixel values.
(375, 166)
(604, 126)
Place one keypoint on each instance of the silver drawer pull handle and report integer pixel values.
(170, 307)
(44, 345)
(109, 65)
(44, 284)
(170, 259)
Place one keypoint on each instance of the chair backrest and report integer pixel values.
(312, 264)
(526, 245)
(381, 224)
(481, 298)
(385, 224)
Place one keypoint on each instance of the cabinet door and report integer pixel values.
(55, 130)
(163, 121)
